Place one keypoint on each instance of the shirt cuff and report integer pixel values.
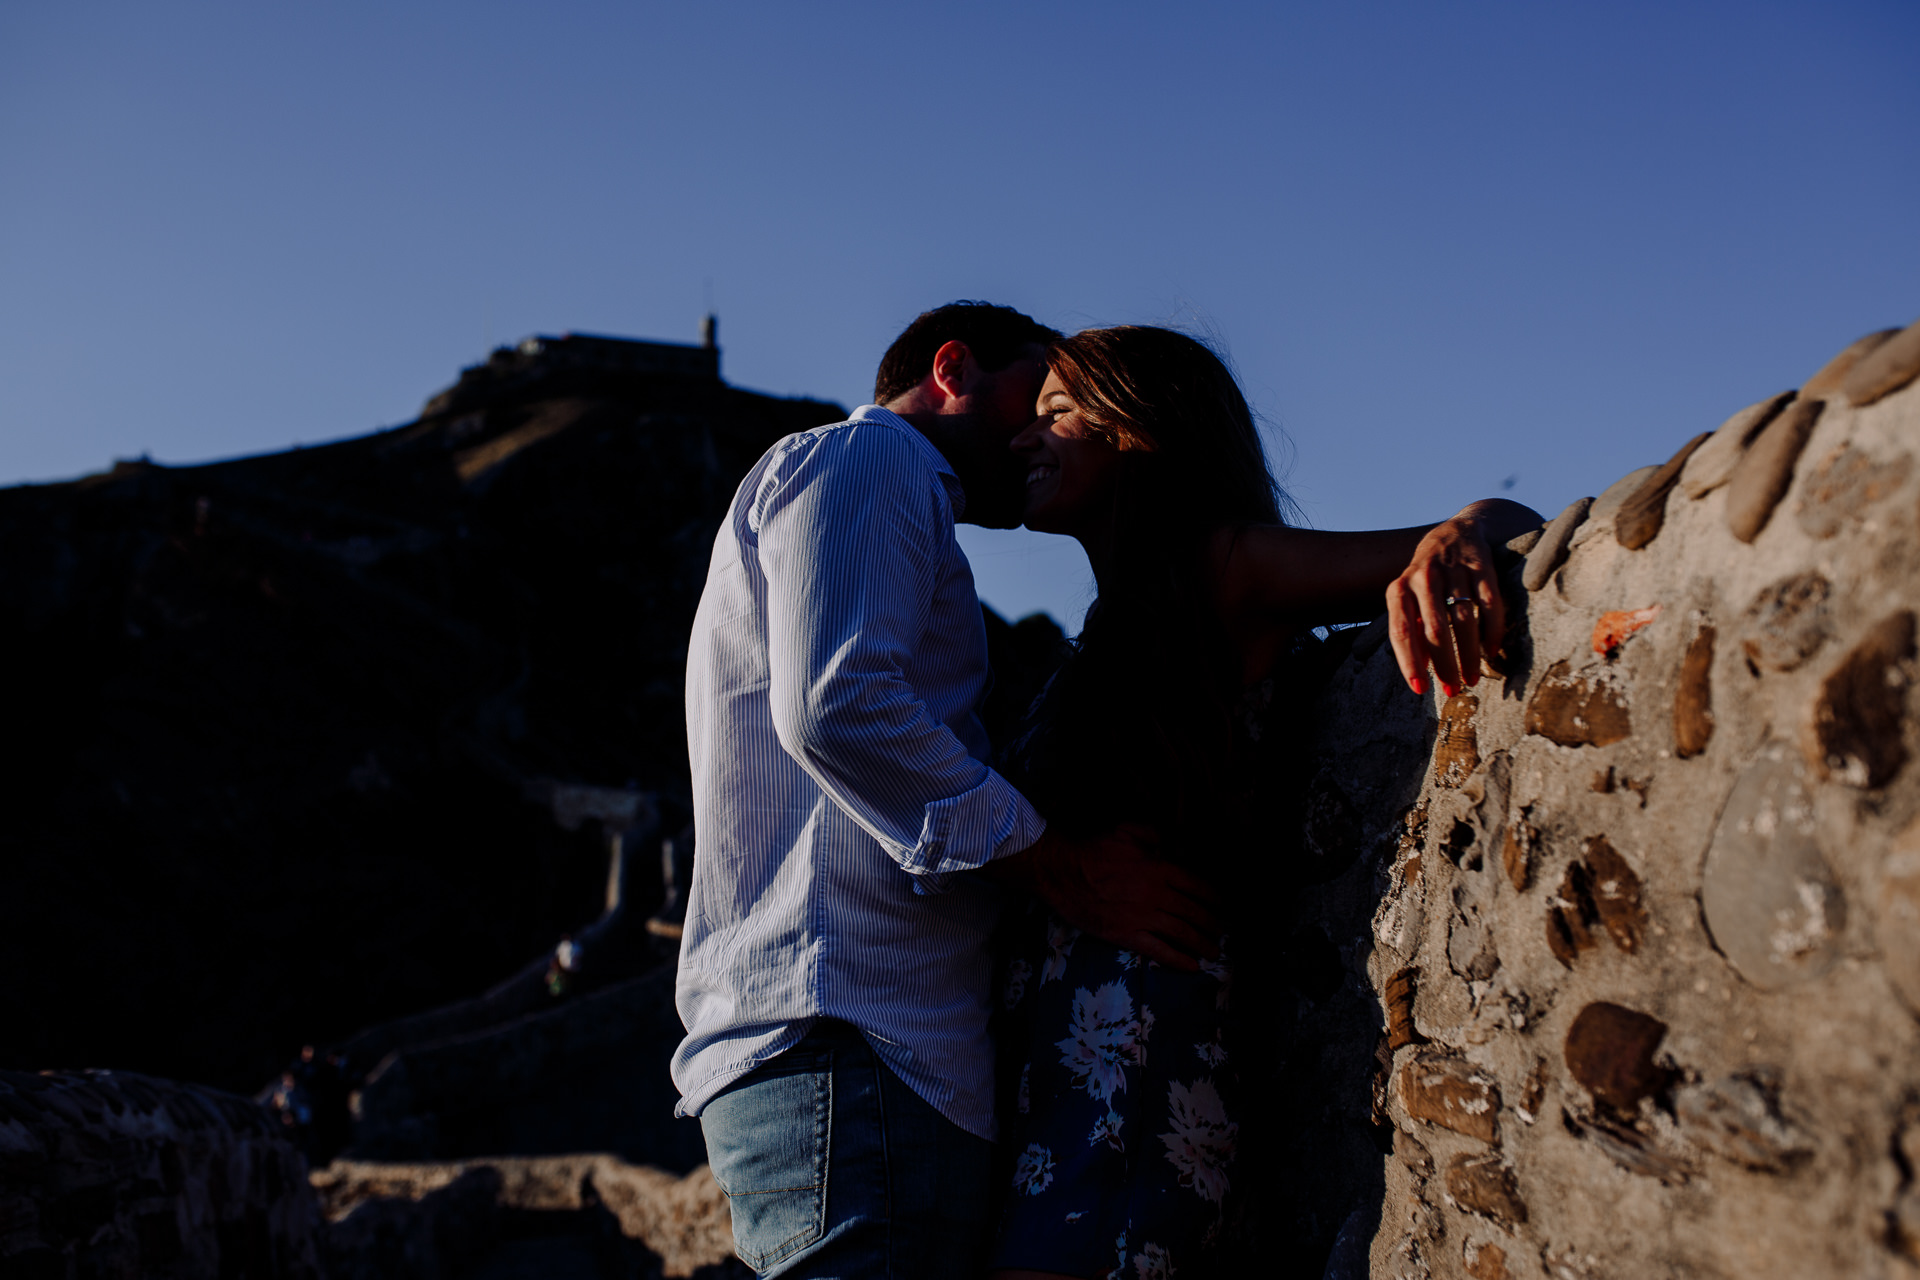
(965, 832)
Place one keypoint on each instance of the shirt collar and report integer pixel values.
(956, 495)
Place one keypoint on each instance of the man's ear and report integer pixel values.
(952, 369)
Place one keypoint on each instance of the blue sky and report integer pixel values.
(1447, 246)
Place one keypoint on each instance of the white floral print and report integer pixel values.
(1033, 1171)
(1201, 1142)
(1105, 1037)
(1220, 971)
(1060, 939)
(1152, 1263)
(1211, 1052)
(1017, 974)
(1107, 1129)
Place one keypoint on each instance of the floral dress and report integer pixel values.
(1122, 1129)
(1119, 1095)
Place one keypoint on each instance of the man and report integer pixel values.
(834, 968)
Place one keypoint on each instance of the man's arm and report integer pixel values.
(853, 536)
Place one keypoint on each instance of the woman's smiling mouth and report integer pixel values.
(1040, 471)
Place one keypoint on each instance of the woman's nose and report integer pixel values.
(1029, 439)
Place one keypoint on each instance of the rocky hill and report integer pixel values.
(314, 739)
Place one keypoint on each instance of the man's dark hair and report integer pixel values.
(996, 335)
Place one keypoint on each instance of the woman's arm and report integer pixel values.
(1273, 575)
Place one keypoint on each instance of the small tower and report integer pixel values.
(710, 331)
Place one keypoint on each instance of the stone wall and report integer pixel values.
(1645, 931)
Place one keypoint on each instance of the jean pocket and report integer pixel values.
(767, 1147)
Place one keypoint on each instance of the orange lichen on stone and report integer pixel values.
(1614, 627)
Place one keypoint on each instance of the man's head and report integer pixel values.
(967, 375)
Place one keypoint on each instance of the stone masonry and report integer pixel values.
(1645, 932)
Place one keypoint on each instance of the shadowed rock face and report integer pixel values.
(287, 728)
(103, 1174)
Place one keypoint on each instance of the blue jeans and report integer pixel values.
(835, 1169)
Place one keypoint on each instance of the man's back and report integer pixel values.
(836, 664)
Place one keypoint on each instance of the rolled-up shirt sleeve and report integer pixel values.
(852, 535)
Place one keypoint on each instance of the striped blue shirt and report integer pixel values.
(837, 662)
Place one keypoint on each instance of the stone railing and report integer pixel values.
(1645, 919)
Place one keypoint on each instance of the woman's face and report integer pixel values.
(1071, 469)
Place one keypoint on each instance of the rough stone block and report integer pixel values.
(1854, 734)
(1617, 895)
(1456, 753)
(1448, 1091)
(1642, 515)
(1517, 846)
(1485, 1261)
(1609, 1051)
(1606, 508)
(1768, 896)
(1761, 477)
(1484, 1184)
(1576, 710)
(1844, 483)
(1833, 374)
(1787, 622)
(1693, 697)
(1712, 463)
(1886, 369)
(1572, 915)
(1398, 996)
(1546, 554)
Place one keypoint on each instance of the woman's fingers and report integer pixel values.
(1404, 633)
(1432, 590)
(1493, 614)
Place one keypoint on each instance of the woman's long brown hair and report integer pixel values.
(1138, 724)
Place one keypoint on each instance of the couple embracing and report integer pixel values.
(865, 857)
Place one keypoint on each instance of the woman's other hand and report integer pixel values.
(1445, 608)
(1116, 887)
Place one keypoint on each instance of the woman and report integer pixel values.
(1121, 1073)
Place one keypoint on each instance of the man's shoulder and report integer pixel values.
(870, 430)
(870, 445)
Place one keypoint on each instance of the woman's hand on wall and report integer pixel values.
(1445, 608)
